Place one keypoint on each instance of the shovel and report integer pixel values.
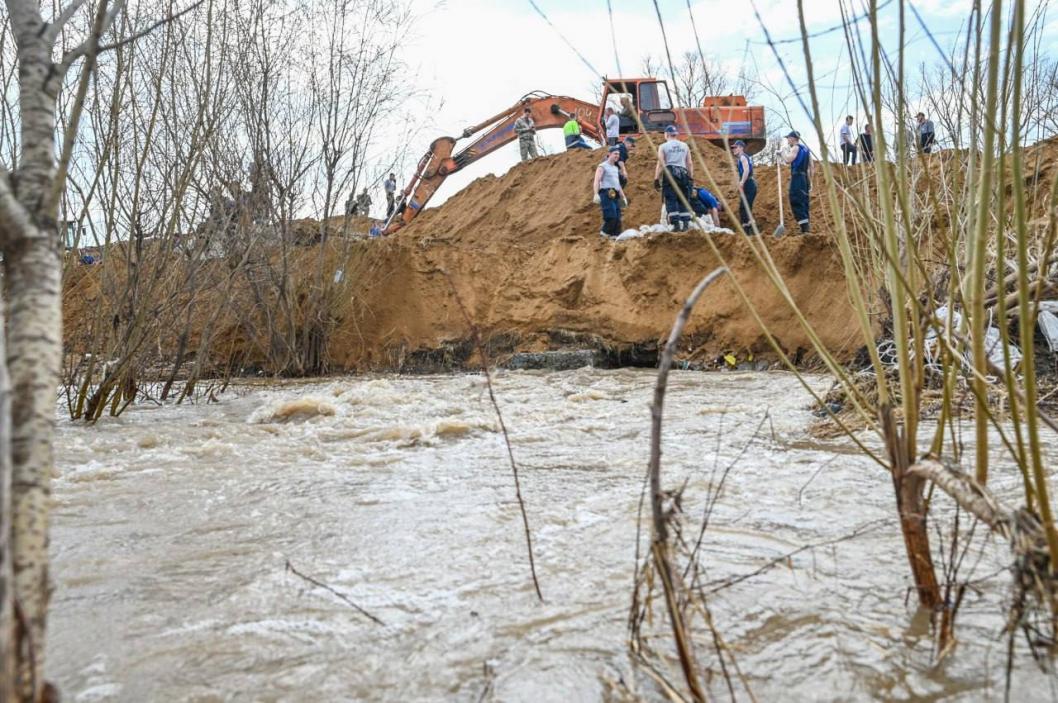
(781, 229)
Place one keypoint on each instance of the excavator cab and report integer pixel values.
(719, 118)
(646, 97)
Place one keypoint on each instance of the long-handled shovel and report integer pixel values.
(781, 229)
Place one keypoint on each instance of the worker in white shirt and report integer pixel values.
(613, 127)
(848, 142)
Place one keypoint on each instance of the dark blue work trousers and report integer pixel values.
(745, 203)
(799, 197)
(611, 211)
(674, 205)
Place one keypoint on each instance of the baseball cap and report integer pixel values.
(671, 129)
(630, 140)
(739, 142)
(795, 134)
(614, 148)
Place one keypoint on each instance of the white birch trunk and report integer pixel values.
(7, 615)
(32, 288)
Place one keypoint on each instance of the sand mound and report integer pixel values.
(524, 253)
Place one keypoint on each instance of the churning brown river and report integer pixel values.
(173, 525)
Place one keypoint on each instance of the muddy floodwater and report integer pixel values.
(173, 526)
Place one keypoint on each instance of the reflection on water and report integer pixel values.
(173, 525)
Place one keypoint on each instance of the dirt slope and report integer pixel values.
(524, 253)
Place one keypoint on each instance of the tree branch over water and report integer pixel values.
(344, 598)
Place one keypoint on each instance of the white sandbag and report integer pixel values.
(993, 341)
(1048, 323)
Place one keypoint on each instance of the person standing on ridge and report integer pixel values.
(613, 127)
(622, 148)
(800, 159)
(674, 158)
(363, 203)
(571, 132)
(525, 128)
(390, 186)
(609, 195)
(927, 138)
(848, 143)
(867, 144)
(747, 185)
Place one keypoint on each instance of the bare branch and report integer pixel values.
(344, 598)
(670, 580)
(65, 16)
(91, 44)
(147, 30)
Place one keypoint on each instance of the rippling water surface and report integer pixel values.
(173, 526)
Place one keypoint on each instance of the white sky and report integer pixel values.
(480, 56)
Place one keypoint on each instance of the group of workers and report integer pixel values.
(525, 128)
(674, 178)
(851, 145)
(674, 175)
(361, 204)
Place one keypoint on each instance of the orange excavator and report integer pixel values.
(641, 104)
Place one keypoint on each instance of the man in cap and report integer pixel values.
(800, 159)
(525, 128)
(608, 193)
(674, 159)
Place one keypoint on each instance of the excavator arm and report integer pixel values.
(548, 112)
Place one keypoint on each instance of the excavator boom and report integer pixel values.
(441, 161)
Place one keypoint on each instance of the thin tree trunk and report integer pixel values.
(670, 579)
(7, 603)
(911, 506)
(32, 282)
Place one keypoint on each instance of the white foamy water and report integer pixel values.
(173, 526)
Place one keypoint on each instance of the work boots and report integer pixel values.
(804, 228)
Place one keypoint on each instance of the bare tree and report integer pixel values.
(699, 76)
(32, 184)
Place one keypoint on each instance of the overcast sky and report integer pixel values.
(480, 56)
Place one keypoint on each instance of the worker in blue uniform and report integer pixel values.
(799, 158)
(704, 203)
(747, 185)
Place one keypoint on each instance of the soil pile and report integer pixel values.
(524, 254)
